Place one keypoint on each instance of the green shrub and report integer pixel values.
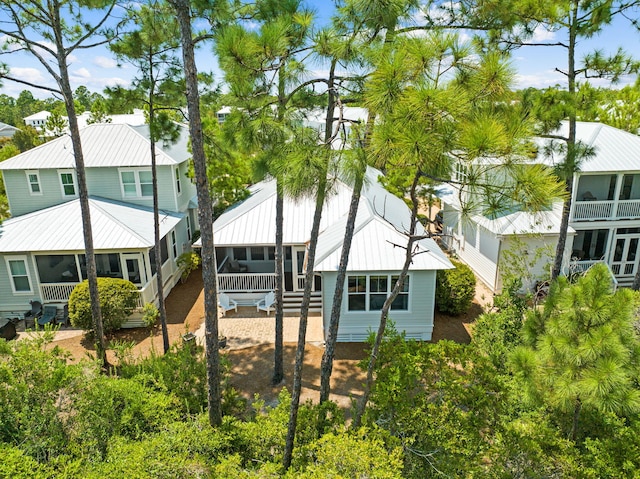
(150, 314)
(118, 299)
(455, 289)
(188, 261)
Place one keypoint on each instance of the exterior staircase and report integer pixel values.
(293, 300)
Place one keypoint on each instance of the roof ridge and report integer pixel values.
(148, 140)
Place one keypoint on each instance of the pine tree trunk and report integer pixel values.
(205, 212)
(83, 195)
(362, 404)
(332, 334)
(278, 354)
(570, 161)
(156, 224)
(309, 277)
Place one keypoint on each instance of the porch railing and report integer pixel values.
(60, 292)
(579, 267)
(246, 282)
(592, 210)
(56, 292)
(606, 210)
(628, 209)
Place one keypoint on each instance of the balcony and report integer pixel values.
(246, 282)
(606, 210)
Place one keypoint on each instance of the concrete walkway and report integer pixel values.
(248, 328)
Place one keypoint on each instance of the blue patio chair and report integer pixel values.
(64, 320)
(31, 316)
(48, 316)
(226, 303)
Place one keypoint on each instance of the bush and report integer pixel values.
(188, 261)
(455, 289)
(118, 299)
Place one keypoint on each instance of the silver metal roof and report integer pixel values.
(103, 145)
(615, 150)
(382, 220)
(115, 225)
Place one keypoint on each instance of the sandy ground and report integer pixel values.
(252, 362)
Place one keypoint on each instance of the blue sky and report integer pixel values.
(535, 66)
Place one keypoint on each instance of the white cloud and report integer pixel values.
(541, 80)
(82, 73)
(31, 75)
(7, 45)
(104, 62)
(541, 34)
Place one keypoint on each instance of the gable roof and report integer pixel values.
(7, 130)
(41, 115)
(615, 150)
(382, 219)
(103, 145)
(115, 226)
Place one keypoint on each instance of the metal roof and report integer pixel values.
(615, 150)
(542, 222)
(103, 145)
(382, 219)
(115, 226)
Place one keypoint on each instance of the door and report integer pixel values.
(134, 268)
(298, 267)
(624, 257)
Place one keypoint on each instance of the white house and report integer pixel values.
(41, 246)
(245, 244)
(604, 223)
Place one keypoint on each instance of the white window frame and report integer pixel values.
(138, 184)
(74, 180)
(188, 227)
(30, 184)
(22, 258)
(174, 244)
(178, 181)
(391, 281)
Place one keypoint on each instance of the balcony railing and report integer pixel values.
(246, 282)
(579, 267)
(606, 210)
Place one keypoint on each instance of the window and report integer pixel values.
(136, 183)
(368, 293)
(164, 255)
(240, 253)
(20, 280)
(257, 253)
(34, 183)
(178, 185)
(188, 227)
(68, 182)
(174, 245)
(271, 253)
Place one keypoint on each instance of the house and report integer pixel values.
(42, 245)
(604, 222)
(7, 131)
(37, 120)
(244, 236)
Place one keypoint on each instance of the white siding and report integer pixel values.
(417, 322)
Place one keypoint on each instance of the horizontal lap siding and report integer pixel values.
(20, 199)
(417, 323)
(10, 303)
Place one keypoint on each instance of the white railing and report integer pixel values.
(56, 292)
(628, 209)
(579, 267)
(246, 282)
(60, 292)
(300, 283)
(592, 210)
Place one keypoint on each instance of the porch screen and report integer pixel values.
(57, 268)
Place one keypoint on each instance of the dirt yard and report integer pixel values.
(252, 366)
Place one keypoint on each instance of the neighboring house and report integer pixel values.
(7, 131)
(37, 120)
(245, 245)
(42, 244)
(604, 224)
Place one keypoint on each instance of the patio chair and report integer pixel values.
(31, 316)
(64, 320)
(236, 267)
(226, 303)
(48, 316)
(266, 303)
